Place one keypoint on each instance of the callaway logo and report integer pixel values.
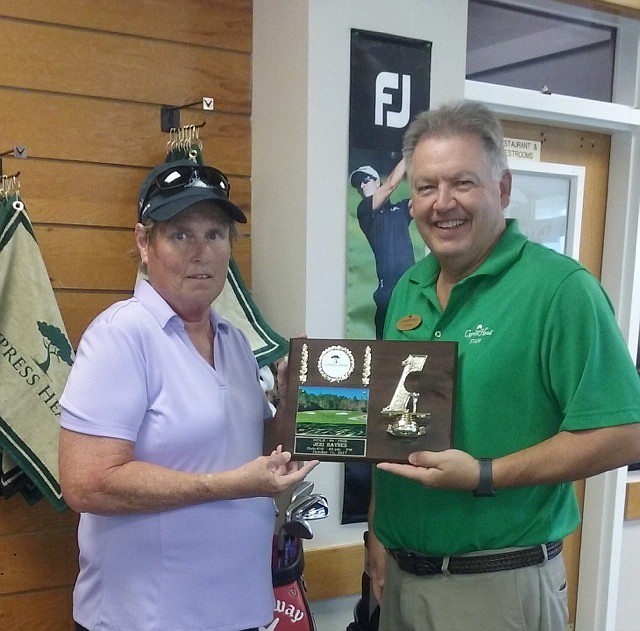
(285, 609)
(476, 335)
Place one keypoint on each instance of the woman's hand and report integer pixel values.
(271, 475)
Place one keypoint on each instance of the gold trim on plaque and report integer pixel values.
(366, 367)
(304, 363)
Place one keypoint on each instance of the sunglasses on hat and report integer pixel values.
(185, 176)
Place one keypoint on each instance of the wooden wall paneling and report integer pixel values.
(37, 560)
(216, 23)
(14, 519)
(333, 572)
(58, 59)
(48, 610)
(78, 193)
(79, 308)
(88, 258)
(86, 194)
(85, 129)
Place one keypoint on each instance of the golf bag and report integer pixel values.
(292, 611)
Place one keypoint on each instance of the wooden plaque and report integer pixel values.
(351, 400)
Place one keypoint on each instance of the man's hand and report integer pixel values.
(450, 469)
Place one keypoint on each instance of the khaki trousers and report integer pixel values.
(533, 598)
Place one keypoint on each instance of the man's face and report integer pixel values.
(369, 185)
(457, 204)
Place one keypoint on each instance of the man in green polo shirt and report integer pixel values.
(547, 393)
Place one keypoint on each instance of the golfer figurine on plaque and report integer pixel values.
(368, 399)
(405, 424)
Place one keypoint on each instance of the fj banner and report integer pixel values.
(35, 359)
(390, 85)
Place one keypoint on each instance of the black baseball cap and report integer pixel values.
(172, 187)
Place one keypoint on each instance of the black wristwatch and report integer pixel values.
(485, 482)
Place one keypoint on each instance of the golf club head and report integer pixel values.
(298, 528)
(304, 488)
(314, 507)
(293, 506)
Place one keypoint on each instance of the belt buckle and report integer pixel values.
(418, 565)
(426, 567)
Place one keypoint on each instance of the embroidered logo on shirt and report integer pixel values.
(475, 336)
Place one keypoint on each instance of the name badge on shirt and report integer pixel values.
(409, 322)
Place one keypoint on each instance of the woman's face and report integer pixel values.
(187, 258)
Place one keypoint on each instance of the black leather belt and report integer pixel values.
(427, 566)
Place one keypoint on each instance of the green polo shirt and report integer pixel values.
(539, 351)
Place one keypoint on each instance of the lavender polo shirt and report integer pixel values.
(138, 377)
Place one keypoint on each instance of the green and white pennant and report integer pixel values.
(35, 360)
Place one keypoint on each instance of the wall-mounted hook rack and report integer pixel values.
(18, 151)
(170, 114)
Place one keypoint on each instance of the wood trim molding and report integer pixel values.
(632, 501)
(630, 8)
(333, 572)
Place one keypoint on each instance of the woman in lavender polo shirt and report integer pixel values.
(162, 432)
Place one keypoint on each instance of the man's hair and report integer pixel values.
(456, 119)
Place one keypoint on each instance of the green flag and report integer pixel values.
(35, 359)
(236, 304)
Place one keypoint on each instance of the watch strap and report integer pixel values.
(485, 482)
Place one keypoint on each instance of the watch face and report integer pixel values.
(336, 363)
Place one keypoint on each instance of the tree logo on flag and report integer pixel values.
(56, 344)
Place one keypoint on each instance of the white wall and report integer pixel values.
(299, 174)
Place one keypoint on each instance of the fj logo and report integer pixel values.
(386, 84)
